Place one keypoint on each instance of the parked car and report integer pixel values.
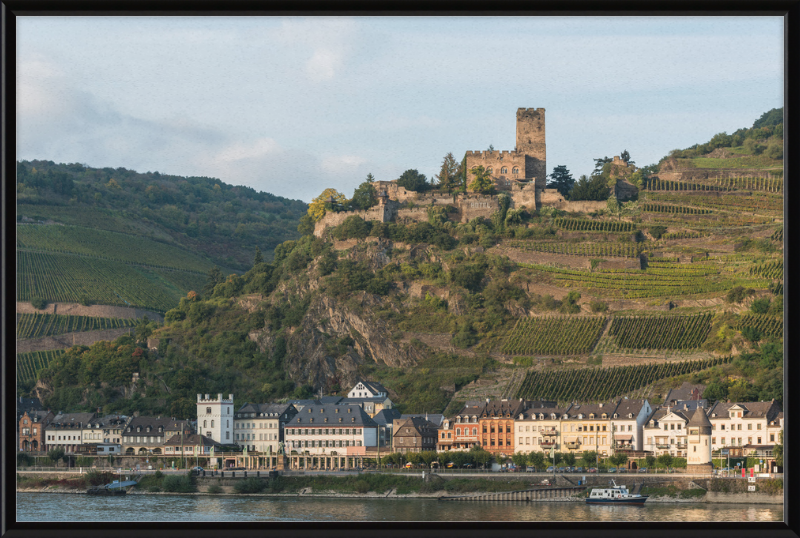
(562, 469)
(468, 466)
(198, 469)
(611, 470)
(591, 470)
(550, 469)
(450, 465)
(530, 469)
(642, 470)
(622, 470)
(579, 470)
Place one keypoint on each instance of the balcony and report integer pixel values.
(550, 431)
(572, 445)
(663, 445)
(548, 444)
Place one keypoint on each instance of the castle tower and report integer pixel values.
(531, 143)
(698, 453)
(215, 418)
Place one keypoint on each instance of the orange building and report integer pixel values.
(496, 425)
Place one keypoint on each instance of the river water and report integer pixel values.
(178, 508)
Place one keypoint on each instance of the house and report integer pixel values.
(105, 429)
(65, 431)
(31, 430)
(27, 405)
(435, 418)
(539, 428)
(372, 405)
(496, 425)
(687, 391)
(147, 435)
(215, 417)
(260, 427)
(665, 431)
(413, 434)
(587, 427)
(368, 389)
(385, 421)
(190, 445)
(745, 428)
(627, 421)
(320, 434)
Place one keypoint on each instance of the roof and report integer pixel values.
(752, 410)
(191, 440)
(169, 424)
(472, 409)
(39, 414)
(699, 419)
(331, 399)
(28, 404)
(418, 423)
(684, 392)
(384, 417)
(435, 418)
(587, 409)
(503, 407)
(315, 414)
(628, 406)
(359, 401)
(540, 403)
(373, 386)
(662, 412)
(690, 405)
(267, 409)
(533, 414)
(71, 420)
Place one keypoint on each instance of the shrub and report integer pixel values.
(38, 303)
(178, 484)
(598, 306)
(362, 486)
(760, 306)
(154, 489)
(657, 231)
(250, 485)
(214, 489)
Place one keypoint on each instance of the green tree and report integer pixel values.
(664, 461)
(561, 180)
(321, 204)
(585, 188)
(774, 149)
(600, 163)
(428, 457)
(536, 460)
(625, 156)
(56, 454)
(448, 174)
(214, 277)
(519, 459)
(619, 459)
(258, 258)
(412, 180)
(650, 461)
(569, 458)
(144, 328)
(769, 118)
(306, 225)
(482, 181)
(370, 178)
(589, 458)
(777, 450)
(760, 306)
(365, 196)
(480, 455)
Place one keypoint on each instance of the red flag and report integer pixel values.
(751, 472)
(744, 471)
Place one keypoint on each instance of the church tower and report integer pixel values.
(698, 454)
(531, 143)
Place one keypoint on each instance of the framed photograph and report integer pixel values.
(330, 272)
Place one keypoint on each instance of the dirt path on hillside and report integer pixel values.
(94, 311)
(66, 340)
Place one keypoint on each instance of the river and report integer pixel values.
(176, 508)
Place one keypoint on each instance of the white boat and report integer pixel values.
(614, 495)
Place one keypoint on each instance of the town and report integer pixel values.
(364, 430)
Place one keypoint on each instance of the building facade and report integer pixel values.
(368, 389)
(147, 435)
(215, 418)
(65, 431)
(745, 427)
(698, 450)
(413, 434)
(587, 427)
(627, 423)
(496, 425)
(260, 427)
(539, 429)
(30, 431)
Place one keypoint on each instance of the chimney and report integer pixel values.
(230, 396)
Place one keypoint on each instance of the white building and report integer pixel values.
(627, 422)
(698, 450)
(66, 431)
(368, 389)
(215, 418)
(665, 432)
(745, 427)
(324, 429)
(107, 429)
(260, 427)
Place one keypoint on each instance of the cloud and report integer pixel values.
(323, 42)
(342, 163)
(247, 150)
(323, 65)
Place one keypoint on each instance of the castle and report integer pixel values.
(521, 174)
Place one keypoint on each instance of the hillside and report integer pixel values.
(684, 282)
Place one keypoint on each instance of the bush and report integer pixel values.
(250, 485)
(214, 489)
(154, 489)
(38, 303)
(657, 231)
(362, 486)
(598, 306)
(179, 484)
(760, 306)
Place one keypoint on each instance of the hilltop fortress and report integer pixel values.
(521, 174)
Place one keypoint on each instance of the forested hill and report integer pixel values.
(222, 222)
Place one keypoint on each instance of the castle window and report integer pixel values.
(489, 170)
(515, 170)
(504, 170)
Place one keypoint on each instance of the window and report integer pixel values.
(474, 431)
(739, 427)
(772, 438)
(750, 426)
(629, 427)
(490, 170)
(504, 170)
(713, 440)
(759, 439)
(208, 410)
(212, 423)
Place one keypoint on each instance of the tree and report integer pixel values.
(561, 180)
(619, 459)
(650, 461)
(306, 225)
(589, 458)
(519, 459)
(664, 460)
(370, 178)
(365, 196)
(600, 163)
(625, 156)
(491, 147)
(585, 188)
(480, 456)
(536, 460)
(56, 454)
(777, 450)
(320, 205)
(412, 180)
(428, 457)
(448, 174)
(258, 258)
(569, 459)
(214, 277)
(482, 182)
(767, 119)
(144, 328)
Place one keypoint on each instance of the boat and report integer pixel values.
(114, 488)
(615, 495)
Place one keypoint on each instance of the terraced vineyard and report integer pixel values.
(777, 235)
(109, 245)
(586, 225)
(663, 208)
(772, 270)
(70, 278)
(722, 184)
(661, 332)
(683, 235)
(767, 325)
(629, 250)
(562, 335)
(725, 202)
(602, 384)
(656, 281)
(41, 325)
(28, 364)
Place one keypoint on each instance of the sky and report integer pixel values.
(294, 105)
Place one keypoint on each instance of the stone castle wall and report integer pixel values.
(381, 213)
(531, 141)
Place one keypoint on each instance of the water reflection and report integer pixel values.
(177, 508)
